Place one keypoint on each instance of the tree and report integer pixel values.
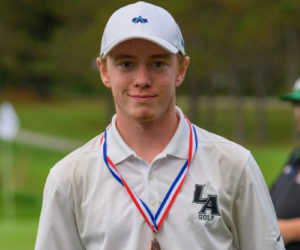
(26, 28)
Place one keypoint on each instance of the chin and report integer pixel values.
(143, 114)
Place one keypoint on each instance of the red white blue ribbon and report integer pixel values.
(155, 222)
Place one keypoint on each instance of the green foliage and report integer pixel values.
(26, 30)
(51, 46)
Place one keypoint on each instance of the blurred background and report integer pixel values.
(244, 54)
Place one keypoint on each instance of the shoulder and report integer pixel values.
(222, 157)
(81, 154)
(219, 145)
(79, 166)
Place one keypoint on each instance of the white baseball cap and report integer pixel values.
(142, 20)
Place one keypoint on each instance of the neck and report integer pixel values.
(149, 138)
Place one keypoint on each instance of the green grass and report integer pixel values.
(19, 235)
(278, 125)
(79, 120)
(271, 160)
(30, 169)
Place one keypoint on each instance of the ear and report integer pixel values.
(103, 72)
(181, 71)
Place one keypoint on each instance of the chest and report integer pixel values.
(107, 212)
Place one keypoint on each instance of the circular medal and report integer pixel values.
(154, 245)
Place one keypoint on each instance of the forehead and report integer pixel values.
(139, 47)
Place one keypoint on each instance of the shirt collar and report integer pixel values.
(179, 144)
(118, 150)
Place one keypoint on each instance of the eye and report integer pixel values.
(158, 64)
(126, 64)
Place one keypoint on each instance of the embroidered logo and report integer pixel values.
(139, 19)
(182, 43)
(210, 207)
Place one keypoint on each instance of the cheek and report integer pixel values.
(170, 79)
(115, 90)
(168, 89)
(117, 82)
(119, 87)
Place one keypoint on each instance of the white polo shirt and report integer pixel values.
(223, 203)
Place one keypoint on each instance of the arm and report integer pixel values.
(290, 229)
(254, 216)
(57, 227)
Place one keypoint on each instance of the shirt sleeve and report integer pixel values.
(57, 227)
(255, 221)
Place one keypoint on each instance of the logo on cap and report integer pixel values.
(139, 19)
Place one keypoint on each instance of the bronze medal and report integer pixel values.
(154, 245)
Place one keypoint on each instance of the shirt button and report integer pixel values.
(153, 203)
(150, 177)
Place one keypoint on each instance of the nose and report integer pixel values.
(143, 77)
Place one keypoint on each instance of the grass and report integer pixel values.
(271, 160)
(278, 125)
(19, 235)
(80, 120)
(83, 119)
(30, 169)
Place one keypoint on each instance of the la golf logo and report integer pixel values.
(210, 207)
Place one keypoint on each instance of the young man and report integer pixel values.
(153, 180)
(285, 192)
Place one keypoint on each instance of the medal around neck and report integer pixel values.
(154, 245)
(155, 221)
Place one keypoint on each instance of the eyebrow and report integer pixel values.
(161, 56)
(121, 56)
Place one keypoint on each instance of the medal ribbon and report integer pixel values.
(155, 222)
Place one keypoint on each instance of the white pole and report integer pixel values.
(9, 126)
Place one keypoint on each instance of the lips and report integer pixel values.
(143, 98)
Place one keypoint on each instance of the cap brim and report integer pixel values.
(160, 42)
(292, 97)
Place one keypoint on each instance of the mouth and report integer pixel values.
(143, 98)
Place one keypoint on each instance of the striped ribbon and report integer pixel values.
(155, 222)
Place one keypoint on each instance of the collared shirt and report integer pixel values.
(223, 203)
(285, 192)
